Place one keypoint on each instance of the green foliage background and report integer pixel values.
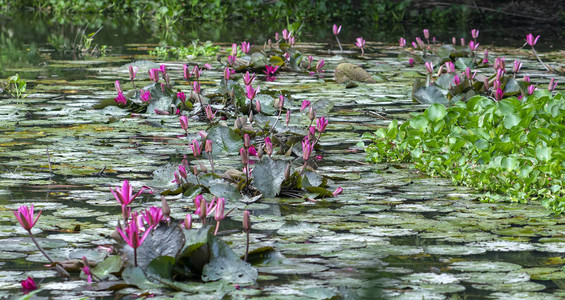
(514, 150)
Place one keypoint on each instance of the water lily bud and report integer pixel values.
(219, 215)
(195, 170)
(552, 84)
(208, 147)
(281, 101)
(311, 133)
(531, 89)
(202, 213)
(337, 191)
(426, 33)
(238, 124)
(203, 134)
(258, 106)
(166, 77)
(132, 72)
(165, 206)
(287, 172)
(203, 168)
(184, 122)
(188, 221)
(287, 117)
(244, 156)
(268, 146)
(312, 114)
(486, 84)
(177, 178)
(246, 221)
(251, 116)
(246, 140)
(260, 152)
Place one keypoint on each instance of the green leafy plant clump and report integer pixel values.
(207, 49)
(512, 149)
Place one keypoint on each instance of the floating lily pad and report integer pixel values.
(484, 266)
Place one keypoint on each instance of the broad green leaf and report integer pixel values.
(224, 139)
(420, 123)
(436, 112)
(112, 264)
(268, 176)
(543, 153)
(509, 163)
(511, 120)
(161, 267)
(430, 94)
(136, 276)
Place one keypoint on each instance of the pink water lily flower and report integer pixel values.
(474, 33)
(286, 34)
(199, 201)
(305, 104)
(125, 195)
(245, 47)
(145, 96)
(24, 215)
(28, 285)
(87, 272)
(360, 42)
(336, 29)
(153, 215)
(121, 99)
(402, 42)
(307, 148)
(250, 92)
(270, 71)
(321, 124)
(530, 39)
(154, 74)
(248, 78)
(131, 235)
(196, 149)
(118, 86)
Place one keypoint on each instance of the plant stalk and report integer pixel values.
(541, 62)
(246, 247)
(340, 48)
(58, 267)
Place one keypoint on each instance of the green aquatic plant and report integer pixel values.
(14, 86)
(196, 49)
(511, 149)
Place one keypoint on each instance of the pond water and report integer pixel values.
(392, 232)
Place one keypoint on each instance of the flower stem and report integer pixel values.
(58, 267)
(340, 48)
(135, 257)
(246, 247)
(217, 227)
(539, 59)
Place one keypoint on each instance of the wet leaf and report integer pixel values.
(268, 176)
(345, 72)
